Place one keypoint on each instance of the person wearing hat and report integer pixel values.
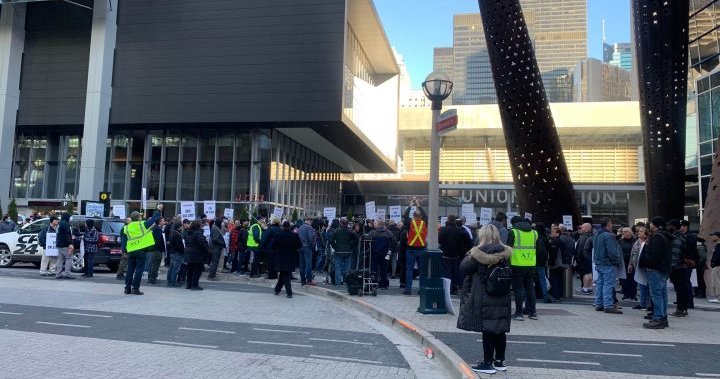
(285, 245)
(714, 294)
(657, 262)
(139, 241)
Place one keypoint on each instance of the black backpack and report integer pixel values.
(497, 282)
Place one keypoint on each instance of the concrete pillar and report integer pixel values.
(12, 45)
(98, 99)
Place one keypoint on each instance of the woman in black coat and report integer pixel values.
(285, 245)
(196, 249)
(480, 311)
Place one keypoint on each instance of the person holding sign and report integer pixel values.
(139, 241)
(49, 258)
(65, 248)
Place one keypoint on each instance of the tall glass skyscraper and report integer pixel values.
(558, 29)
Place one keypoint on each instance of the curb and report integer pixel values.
(452, 362)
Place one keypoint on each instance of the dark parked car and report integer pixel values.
(109, 251)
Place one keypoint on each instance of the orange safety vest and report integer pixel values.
(417, 235)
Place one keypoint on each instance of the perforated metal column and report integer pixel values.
(541, 177)
(661, 39)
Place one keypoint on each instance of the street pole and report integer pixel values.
(434, 190)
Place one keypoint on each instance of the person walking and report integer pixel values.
(90, 242)
(158, 233)
(607, 257)
(196, 249)
(139, 239)
(216, 244)
(176, 252)
(656, 259)
(479, 310)
(523, 239)
(65, 247)
(285, 245)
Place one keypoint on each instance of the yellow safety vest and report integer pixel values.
(524, 253)
(251, 242)
(138, 236)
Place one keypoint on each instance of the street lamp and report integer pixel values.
(437, 87)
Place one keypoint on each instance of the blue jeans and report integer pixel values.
(605, 286)
(172, 274)
(657, 283)
(89, 263)
(412, 255)
(542, 280)
(136, 264)
(306, 267)
(644, 294)
(342, 265)
(320, 264)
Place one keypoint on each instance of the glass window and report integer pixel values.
(704, 117)
(187, 181)
(224, 184)
(225, 148)
(136, 176)
(20, 172)
(244, 148)
(706, 148)
(706, 165)
(242, 180)
(205, 180)
(171, 172)
(153, 179)
(189, 149)
(72, 164)
(52, 179)
(207, 149)
(172, 148)
(715, 109)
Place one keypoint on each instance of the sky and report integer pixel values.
(415, 27)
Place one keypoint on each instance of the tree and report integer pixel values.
(294, 216)
(71, 206)
(244, 215)
(12, 210)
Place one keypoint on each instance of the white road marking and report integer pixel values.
(10, 313)
(599, 353)
(207, 330)
(342, 341)
(638, 343)
(345, 359)
(524, 342)
(279, 344)
(185, 344)
(86, 314)
(279, 331)
(709, 375)
(564, 362)
(59, 324)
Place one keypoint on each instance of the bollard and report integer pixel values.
(567, 281)
(432, 293)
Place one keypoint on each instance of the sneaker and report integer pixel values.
(713, 301)
(484, 368)
(196, 289)
(518, 317)
(499, 365)
(638, 307)
(614, 311)
(679, 313)
(599, 308)
(533, 316)
(654, 324)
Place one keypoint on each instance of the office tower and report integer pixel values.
(594, 80)
(558, 30)
(622, 56)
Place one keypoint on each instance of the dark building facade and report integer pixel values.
(241, 102)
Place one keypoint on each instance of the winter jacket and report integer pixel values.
(502, 228)
(626, 247)
(480, 312)
(286, 245)
(568, 248)
(196, 246)
(268, 236)
(678, 251)
(583, 248)
(343, 240)
(376, 236)
(543, 251)
(657, 254)
(157, 233)
(64, 235)
(606, 249)
(454, 242)
(175, 243)
(217, 241)
(715, 260)
(307, 235)
(635, 252)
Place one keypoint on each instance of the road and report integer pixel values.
(235, 325)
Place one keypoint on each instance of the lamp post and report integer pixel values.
(437, 87)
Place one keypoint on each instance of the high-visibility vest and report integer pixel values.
(138, 236)
(417, 234)
(251, 242)
(524, 252)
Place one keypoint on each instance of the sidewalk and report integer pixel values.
(573, 320)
